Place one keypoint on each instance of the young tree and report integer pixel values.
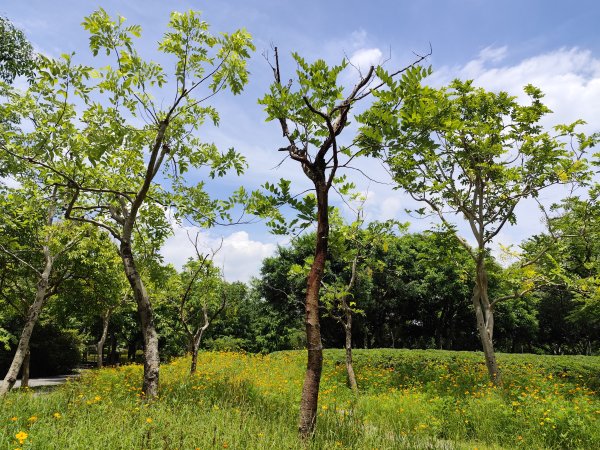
(312, 112)
(351, 256)
(467, 152)
(109, 159)
(31, 215)
(201, 299)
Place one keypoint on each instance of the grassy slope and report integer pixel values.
(409, 399)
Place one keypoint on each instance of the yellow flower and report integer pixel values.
(16, 418)
(149, 419)
(32, 419)
(21, 436)
(57, 415)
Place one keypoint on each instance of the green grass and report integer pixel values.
(409, 399)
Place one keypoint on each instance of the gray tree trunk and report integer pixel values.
(349, 367)
(484, 313)
(100, 344)
(151, 354)
(34, 312)
(196, 341)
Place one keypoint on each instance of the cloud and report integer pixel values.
(569, 78)
(365, 58)
(240, 256)
(493, 54)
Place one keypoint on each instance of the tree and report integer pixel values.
(30, 214)
(200, 299)
(351, 257)
(311, 117)
(125, 136)
(476, 154)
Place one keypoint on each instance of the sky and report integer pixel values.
(501, 45)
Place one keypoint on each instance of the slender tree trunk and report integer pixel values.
(34, 312)
(151, 354)
(194, 365)
(349, 367)
(25, 369)
(347, 322)
(485, 321)
(197, 340)
(100, 345)
(314, 365)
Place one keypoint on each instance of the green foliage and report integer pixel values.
(16, 53)
(477, 152)
(570, 297)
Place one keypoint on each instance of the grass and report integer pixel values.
(409, 399)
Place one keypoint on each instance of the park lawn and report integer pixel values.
(409, 399)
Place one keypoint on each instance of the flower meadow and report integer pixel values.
(408, 399)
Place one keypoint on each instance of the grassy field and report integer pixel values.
(409, 399)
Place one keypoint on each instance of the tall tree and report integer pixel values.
(470, 153)
(110, 159)
(312, 111)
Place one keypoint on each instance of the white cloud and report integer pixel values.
(365, 58)
(240, 256)
(569, 78)
(493, 54)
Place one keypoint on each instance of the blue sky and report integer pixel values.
(503, 45)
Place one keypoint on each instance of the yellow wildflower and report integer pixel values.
(21, 436)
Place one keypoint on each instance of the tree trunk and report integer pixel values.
(349, 367)
(100, 345)
(151, 354)
(194, 365)
(25, 369)
(314, 365)
(34, 312)
(484, 313)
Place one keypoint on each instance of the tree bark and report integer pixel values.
(150, 335)
(100, 344)
(314, 365)
(34, 312)
(349, 367)
(484, 313)
(196, 341)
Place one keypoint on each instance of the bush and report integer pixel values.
(226, 344)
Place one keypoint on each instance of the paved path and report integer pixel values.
(48, 381)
